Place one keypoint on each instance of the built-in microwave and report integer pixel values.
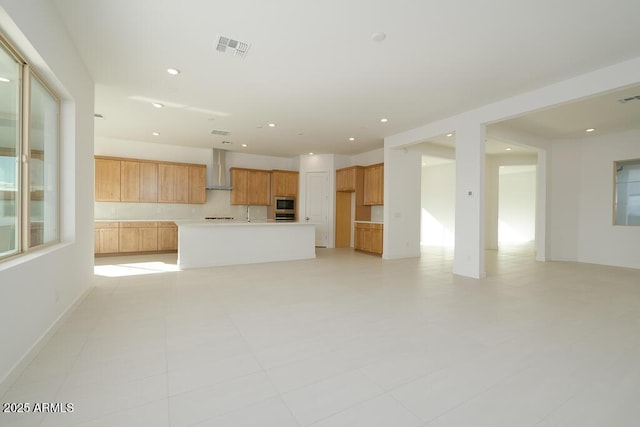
(284, 204)
(284, 208)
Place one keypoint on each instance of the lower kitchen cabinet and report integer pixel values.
(167, 236)
(368, 237)
(138, 237)
(106, 237)
(129, 237)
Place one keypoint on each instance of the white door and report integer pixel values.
(317, 205)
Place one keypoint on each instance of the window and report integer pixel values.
(627, 193)
(28, 158)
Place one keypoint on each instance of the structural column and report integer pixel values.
(469, 259)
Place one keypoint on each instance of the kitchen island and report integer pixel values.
(212, 244)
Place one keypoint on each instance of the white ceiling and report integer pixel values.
(314, 70)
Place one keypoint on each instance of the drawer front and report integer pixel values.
(105, 224)
(138, 224)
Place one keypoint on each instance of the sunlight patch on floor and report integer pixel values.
(133, 269)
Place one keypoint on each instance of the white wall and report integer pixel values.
(438, 201)
(38, 288)
(368, 158)
(582, 201)
(599, 81)
(402, 176)
(517, 204)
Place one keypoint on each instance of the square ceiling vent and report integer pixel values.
(232, 47)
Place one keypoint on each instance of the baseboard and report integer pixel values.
(22, 364)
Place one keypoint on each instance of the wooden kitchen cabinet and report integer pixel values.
(167, 236)
(173, 183)
(138, 181)
(239, 184)
(250, 187)
(346, 178)
(138, 236)
(106, 237)
(197, 184)
(374, 184)
(284, 183)
(368, 237)
(259, 186)
(107, 180)
(149, 182)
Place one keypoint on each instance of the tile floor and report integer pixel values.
(345, 340)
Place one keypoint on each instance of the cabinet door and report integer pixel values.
(239, 182)
(197, 183)
(148, 239)
(129, 240)
(96, 241)
(148, 182)
(166, 183)
(167, 238)
(258, 187)
(109, 241)
(107, 180)
(359, 236)
(129, 181)
(376, 239)
(346, 179)
(374, 185)
(291, 187)
(182, 184)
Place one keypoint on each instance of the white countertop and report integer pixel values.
(223, 223)
(135, 220)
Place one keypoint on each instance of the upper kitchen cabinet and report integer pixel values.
(197, 184)
(346, 178)
(107, 181)
(138, 181)
(173, 183)
(250, 187)
(374, 184)
(149, 181)
(284, 183)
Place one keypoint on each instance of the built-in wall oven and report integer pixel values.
(284, 208)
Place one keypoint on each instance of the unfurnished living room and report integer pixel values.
(297, 213)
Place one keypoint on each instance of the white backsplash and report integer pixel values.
(377, 213)
(218, 204)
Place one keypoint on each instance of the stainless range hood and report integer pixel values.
(218, 177)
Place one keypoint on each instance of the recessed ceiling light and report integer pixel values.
(173, 71)
(245, 145)
(589, 130)
(378, 37)
(155, 134)
(98, 116)
(508, 148)
(311, 154)
(4, 80)
(384, 120)
(272, 125)
(449, 134)
(157, 104)
(352, 139)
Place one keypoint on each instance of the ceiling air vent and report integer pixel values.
(629, 99)
(232, 47)
(220, 132)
